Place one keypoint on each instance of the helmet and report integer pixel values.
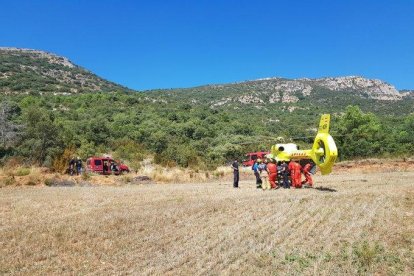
(259, 160)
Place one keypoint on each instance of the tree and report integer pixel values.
(360, 135)
(9, 130)
(41, 137)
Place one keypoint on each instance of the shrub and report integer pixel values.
(34, 179)
(49, 181)
(61, 163)
(126, 179)
(10, 180)
(365, 255)
(55, 182)
(22, 171)
(86, 176)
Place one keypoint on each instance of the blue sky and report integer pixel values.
(169, 44)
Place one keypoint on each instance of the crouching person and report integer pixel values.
(307, 173)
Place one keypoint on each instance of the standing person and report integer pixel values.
(272, 171)
(295, 174)
(298, 175)
(105, 167)
(285, 175)
(279, 174)
(78, 166)
(235, 167)
(72, 165)
(255, 169)
(307, 172)
(264, 175)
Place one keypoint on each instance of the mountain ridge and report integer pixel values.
(24, 71)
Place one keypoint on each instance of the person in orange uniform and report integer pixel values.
(308, 176)
(272, 170)
(295, 174)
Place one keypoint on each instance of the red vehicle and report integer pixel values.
(251, 157)
(105, 165)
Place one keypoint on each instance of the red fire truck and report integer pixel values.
(251, 157)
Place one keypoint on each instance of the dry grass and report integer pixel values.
(17, 175)
(360, 223)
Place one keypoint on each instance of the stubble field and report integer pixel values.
(352, 223)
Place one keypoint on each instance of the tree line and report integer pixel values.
(45, 130)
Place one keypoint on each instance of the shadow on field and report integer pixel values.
(325, 189)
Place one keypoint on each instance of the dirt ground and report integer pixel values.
(353, 222)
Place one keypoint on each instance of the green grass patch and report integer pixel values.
(23, 171)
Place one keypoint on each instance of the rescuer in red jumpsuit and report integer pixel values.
(272, 170)
(308, 176)
(295, 174)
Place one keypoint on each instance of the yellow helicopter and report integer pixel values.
(323, 153)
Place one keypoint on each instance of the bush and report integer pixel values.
(61, 163)
(366, 254)
(55, 182)
(126, 179)
(49, 181)
(86, 176)
(34, 179)
(22, 171)
(10, 180)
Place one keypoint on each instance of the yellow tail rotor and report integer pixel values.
(324, 151)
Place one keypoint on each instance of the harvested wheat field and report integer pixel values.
(352, 224)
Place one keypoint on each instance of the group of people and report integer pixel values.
(274, 175)
(75, 166)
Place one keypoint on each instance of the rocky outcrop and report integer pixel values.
(375, 89)
(407, 93)
(279, 90)
(51, 58)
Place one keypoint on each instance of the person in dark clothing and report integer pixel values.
(279, 174)
(113, 167)
(285, 175)
(235, 167)
(72, 165)
(105, 167)
(78, 166)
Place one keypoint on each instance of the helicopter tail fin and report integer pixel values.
(324, 123)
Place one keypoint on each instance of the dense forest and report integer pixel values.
(45, 130)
